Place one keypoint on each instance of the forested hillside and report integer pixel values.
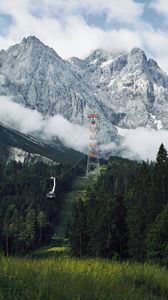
(27, 217)
(125, 214)
(53, 150)
(120, 215)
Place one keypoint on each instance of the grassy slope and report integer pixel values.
(78, 189)
(71, 279)
(60, 277)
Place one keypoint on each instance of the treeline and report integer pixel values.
(27, 217)
(125, 214)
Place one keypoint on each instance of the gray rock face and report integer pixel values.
(132, 90)
(126, 89)
(19, 155)
(39, 79)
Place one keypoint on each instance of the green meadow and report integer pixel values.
(66, 278)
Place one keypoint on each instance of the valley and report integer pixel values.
(102, 236)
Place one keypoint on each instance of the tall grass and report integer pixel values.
(72, 279)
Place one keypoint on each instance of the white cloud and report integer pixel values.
(157, 41)
(161, 6)
(72, 135)
(144, 141)
(30, 121)
(19, 117)
(108, 147)
(61, 25)
(124, 10)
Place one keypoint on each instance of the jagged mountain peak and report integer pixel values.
(97, 53)
(137, 59)
(99, 56)
(34, 42)
(31, 39)
(126, 89)
(29, 48)
(138, 51)
(39, 79)
(130, 86)
(153, 63)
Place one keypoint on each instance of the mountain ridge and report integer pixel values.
(28, 149)
(127, 90)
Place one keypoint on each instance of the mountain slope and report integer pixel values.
(17, 146)
(126, 89)
(133, 90)
(38, 78)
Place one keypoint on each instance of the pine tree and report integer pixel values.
(14, 229)
(78, 235)
(159, 193)
(138, 212)
(41, 221)
(157, 239)
(6, 233)
(30, 221)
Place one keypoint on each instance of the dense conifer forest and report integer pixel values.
(122, 215)
(125, 214)
(27, 217)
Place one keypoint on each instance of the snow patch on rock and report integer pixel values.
(106, 63)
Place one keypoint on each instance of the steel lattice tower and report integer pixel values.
(93, 154)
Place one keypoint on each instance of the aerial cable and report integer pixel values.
(51, 194)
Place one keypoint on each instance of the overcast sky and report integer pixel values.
(75, 27)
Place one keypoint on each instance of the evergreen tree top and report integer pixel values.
(162, 156)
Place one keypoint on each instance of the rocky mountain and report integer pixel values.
(133, 90)
(15, 146)
(126, 89)
(38, 78)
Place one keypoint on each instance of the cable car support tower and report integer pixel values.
(93, 154)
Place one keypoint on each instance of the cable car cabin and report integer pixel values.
(51, 194)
